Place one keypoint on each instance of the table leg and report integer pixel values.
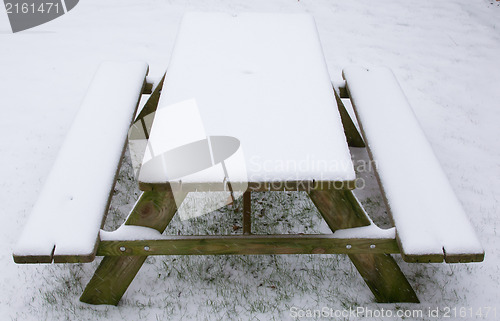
(247, 213)
(115, 273)
(341, 210)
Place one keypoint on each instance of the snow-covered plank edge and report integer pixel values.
(141, 233)
(68, 214)
(431, 225)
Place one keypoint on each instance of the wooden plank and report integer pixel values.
(431, 225)
(65, 221)
(341, 210)
(247, 244)
(114, 274)
(461, 258)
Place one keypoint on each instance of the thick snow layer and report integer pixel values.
(69, 211)
(262, 79)
(129, 233)
(428, 216)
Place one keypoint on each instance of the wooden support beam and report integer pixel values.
(115, 273)
(248, 244)
(247, 213)
(341, 210)
(341, 88)
(152, 103)
(149, 85)
(351, 132)
(148, 88)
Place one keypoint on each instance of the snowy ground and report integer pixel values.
(446, 57)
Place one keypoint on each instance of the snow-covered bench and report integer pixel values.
(431, 225)
(65, 222)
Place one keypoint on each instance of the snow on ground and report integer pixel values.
(445, 56)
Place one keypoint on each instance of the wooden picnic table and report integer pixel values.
(263, 80)
(247, 105)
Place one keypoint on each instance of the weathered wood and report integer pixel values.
(384, 278)
(114, 274)
(436, 258)
(420, 258)
(248, 244)
(351, 132)
(341, 210)
(247, 212)
(462, 258)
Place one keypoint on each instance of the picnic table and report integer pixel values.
(247, 105)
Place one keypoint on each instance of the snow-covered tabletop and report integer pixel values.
(259, 78)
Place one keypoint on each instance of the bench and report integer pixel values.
(66, 219)
(431, 225)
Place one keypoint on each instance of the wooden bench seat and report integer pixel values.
(431, 225)
(66, 219)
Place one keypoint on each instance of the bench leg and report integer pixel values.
(115, 273)
(341, 210)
